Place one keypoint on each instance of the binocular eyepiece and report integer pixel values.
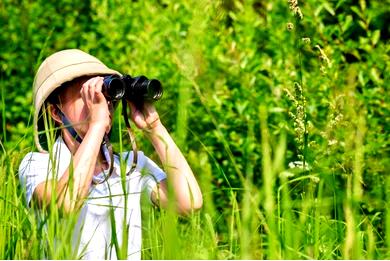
(138, 89)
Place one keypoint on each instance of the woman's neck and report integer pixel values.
(73, 145)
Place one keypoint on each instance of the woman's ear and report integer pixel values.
(54, 113)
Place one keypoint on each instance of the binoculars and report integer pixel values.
(137, 90)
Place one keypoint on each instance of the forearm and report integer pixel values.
(78, 175)
(186, 189)
(84, 163)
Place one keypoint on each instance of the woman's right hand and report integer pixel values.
(99, 112)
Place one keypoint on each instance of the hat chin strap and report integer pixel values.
(69, 127)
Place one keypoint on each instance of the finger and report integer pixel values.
(96, 87)
(137, 117)
(92, 82)
(91, 92)
(85, 91)
(98, 84)
(89, 83)
(99, 98)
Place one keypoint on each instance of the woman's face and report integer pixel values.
(74, 108)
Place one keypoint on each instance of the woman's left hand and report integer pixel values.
(147, 118)
(188, 196)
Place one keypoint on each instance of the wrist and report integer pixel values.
(97, 127)
(161, 141)
(155, 130)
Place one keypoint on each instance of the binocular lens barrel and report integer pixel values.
(113, 88)
(154, 89)
(138, 89)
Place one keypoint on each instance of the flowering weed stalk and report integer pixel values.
(297, 97)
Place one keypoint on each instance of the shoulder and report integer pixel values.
(42, 162)
(32, 166)
(35, 159)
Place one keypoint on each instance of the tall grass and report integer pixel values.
(284, 175)
(262, 224)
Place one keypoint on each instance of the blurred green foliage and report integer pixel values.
(219, 61)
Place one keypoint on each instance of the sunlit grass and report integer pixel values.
(261, 222)
(282, 177)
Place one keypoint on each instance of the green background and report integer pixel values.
(249, 88)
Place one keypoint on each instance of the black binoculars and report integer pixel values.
(137, 90)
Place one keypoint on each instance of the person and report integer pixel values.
(68, 88)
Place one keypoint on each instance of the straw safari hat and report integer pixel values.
(58, 68)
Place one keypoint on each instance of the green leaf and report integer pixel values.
(318, 10)
(375, 37)
(233, 15)
(362, 4)
(329, 9)
(241, 107)
(347, 23)
(339, 3)
(356, 10)
(362, 24)
(374, 75)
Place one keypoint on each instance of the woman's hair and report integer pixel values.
(54, 97)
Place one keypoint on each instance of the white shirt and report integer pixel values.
(92, 234)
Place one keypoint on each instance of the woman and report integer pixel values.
(75, 174)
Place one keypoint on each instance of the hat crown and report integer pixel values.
(60, 60)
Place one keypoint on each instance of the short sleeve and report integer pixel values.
(33, 170)
(36, 168)
(152, 174)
